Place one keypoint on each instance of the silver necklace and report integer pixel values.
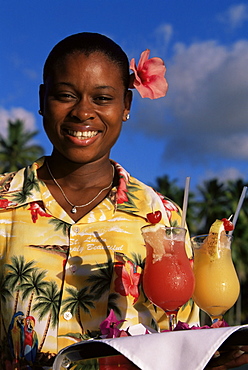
(74, 207)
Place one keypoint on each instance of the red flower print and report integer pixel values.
(4, 203)
(122, 172)
(127, 281)
(36, 210)
(148, 77)
(121, 195)
(168, 205)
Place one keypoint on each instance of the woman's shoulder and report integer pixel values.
(5, 180)
(16, 178)
(153, 192)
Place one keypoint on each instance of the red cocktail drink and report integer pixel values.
(168, 276)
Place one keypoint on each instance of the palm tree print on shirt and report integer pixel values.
(48, 305)
(34, 286)
(78, 299)
(30, 182)
(19, 273)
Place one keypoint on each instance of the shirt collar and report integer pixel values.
(21, 187)
(131, 195)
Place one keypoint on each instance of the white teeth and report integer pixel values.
(82, 134)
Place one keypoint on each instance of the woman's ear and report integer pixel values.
(41, 97)
(127, 102)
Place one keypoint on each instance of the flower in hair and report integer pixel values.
(148, 77)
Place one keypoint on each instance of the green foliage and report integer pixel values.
(171, 190)
(216, 200)
(17, 149)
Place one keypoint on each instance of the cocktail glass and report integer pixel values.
(216, 282)
(168, 280)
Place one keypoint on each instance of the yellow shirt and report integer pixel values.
(60, 278)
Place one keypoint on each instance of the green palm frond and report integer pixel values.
(19, 271)
(48, 302)
(17, 149)
(60, 225)
(4, 290)
(77, 298)
(34, 283)
(101, 280)
(138, 260)
(113, 305)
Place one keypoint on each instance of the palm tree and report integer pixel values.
(19, 272)
(239, 249)
(35, 285)
(112, 305)
(4, 295)
(213, 205)
(138, 260)
(30, 182)
(15, 150)
(171, 190)
(78, 299)
(100, 282)
(48, 304)
(59, 224)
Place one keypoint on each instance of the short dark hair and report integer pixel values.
(87, 43)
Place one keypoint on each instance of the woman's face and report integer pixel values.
(83, 105)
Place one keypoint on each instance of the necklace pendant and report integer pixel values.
(74, 209)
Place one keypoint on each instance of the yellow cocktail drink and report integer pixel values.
(216, 283)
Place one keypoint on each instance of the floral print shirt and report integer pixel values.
(59, 278)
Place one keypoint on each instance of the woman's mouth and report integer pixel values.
(82, 135)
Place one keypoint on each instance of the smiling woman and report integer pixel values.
(83, 110)
(71, 247)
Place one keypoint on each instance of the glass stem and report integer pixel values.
(172, 321)
(215, 319)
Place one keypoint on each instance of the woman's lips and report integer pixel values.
(82, 135)
(81, 138)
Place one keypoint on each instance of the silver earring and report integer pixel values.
(127, 116)
(40, 112)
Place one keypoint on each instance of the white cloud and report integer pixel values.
(235, 16)
(165, 31)
(229, 173)
(22, 66)
(14, 114)
(206, 110)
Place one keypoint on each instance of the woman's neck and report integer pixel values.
(77, 188)
(77, 175)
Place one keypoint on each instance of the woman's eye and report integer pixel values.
(103, 98)
(65, 96)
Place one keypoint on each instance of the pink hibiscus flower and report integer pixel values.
(127, 281)
(36, 210)
(148, 77)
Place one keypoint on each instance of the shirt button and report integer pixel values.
(76, 230)
(66, 363)
(67, 315)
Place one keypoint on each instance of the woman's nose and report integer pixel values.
(82, 111)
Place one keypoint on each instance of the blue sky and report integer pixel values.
(200, 129)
